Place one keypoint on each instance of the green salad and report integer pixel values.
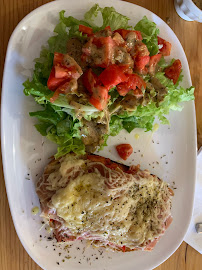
(93, 80)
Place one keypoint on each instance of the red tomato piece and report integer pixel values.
(90, 80)
(141, 62)
(124, 150)
(132, 82)
(126, 69)
(165, 50)
(85, 29)
(108, 28)
(173, 72)
(58, 58)
(99, 97)
(124, 248)
(53, 82)
(60, 72)
(55, 96)
(112, 76)
(154, 60)
(106, 44)
(139, 35)
(123, 89)
(101, 41)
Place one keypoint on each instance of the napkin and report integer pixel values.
(193, 238)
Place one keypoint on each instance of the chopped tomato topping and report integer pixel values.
(140, 50)
(173, 72)
(55, 96)
(101, 41)
(105, 47)
(53, 82)
(141, 62)
(154, 60)
(134, 81)
(99, 97)
(124, 248)
(126, 69)
(63, 75)
(165, 50)
(108, 28)
(112, 76)
(60, 72)
(90, 80)
(85, 29)
(124, 150)
(58, 58)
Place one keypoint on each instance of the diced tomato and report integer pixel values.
(140, 50)
(105, 44)
(53, 82)
(58, 58)
(101, 41)
(132, 82)
(123, 89)
(60, 72)
(99, 51)
(165, 50)
(64, 88)
(55, 96)
(112, 76)
(90, 80)
(108, 28)
(139, 35)
(124, 150)
(124, 33)
(126, 69)
(124, 248)
(173, 72)
(154, 60)
(85, 29)
(141, 62)
(99, 97)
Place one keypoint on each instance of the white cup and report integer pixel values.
(188, 11)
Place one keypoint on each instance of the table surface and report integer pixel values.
(12, 254)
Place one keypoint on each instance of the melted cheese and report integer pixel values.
(130, 218)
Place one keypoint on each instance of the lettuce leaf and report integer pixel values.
(149, 33)
(109, 17)
(60, 128)
(144, 116)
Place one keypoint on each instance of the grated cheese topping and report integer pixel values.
(108, 205)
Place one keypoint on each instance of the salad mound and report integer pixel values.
(93, 80)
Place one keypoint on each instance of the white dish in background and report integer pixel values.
(25, 151)
(188, 11)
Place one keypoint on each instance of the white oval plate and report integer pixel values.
(170, 152)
